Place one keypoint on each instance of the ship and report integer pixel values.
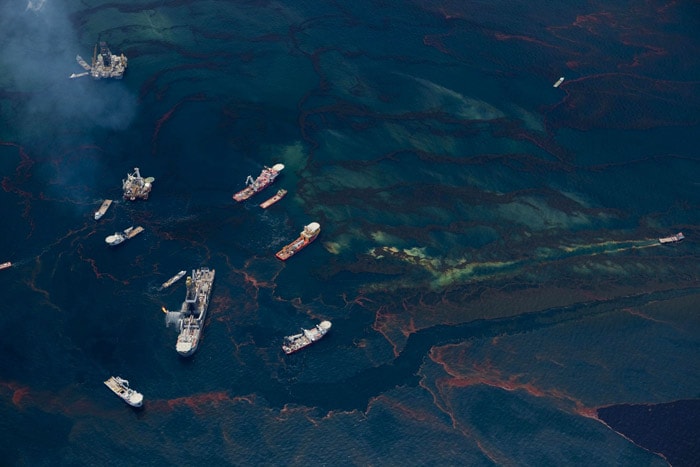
(137, 187)
(120, 387)
(104, 65)
(5, 265)
(103, 209)
(306, 236)
(305, 338)
(559, 81)
(190, 318)
(266, 177)
(118, 237)
(173, 279)
(673, 238)
(280, 194)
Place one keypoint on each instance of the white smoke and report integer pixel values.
(38, 45)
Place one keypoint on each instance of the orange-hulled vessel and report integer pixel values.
(266, 177)
(280, 194)
(306, 236)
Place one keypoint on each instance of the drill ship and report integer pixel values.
(190, 318)
(104, 65)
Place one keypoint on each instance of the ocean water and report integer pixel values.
(489, 254)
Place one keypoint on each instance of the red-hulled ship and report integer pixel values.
(266, 177)
(306, 236)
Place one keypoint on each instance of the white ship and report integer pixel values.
(558, 83)
(103, 209)
(190, 318)
(673, 238)
(173, 279)
(118, 237)
(120, 387)
(305, 338)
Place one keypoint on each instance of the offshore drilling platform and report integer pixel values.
(104, 65)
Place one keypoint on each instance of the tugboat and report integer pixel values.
(103, 209)
(120, 387)
(104, 65)
(266, 177)
(306, 236)
(305, 338)
(118, 237)
(190, 318)
(136, 187)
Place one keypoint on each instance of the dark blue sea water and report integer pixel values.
(488, 256)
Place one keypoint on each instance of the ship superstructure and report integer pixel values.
(120, 387)
(306, 236)
(266, 177)
(190, 318)
(104, 65)
(305, 338)
(136, 187)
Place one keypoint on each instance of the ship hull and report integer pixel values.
(265, 179)
(280, 194)
(193, 312)
(307, 337)
(308, 235)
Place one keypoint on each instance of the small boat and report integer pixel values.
(280, 194)
(173, 279)
(5, 265)
(673, 238)
(305, 338)
(559, 81)
(103, 209)
(120, 387)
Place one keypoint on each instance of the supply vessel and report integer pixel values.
(306, 236)
(190, 318)
(673, 238)
(558, 82)
(120, 387)
(173, 279)
(267, 203)
(136, 187)
(103, 209)
(5, 265)
(118, 237)
(104, 65)
(305, 338)
(266, 177)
